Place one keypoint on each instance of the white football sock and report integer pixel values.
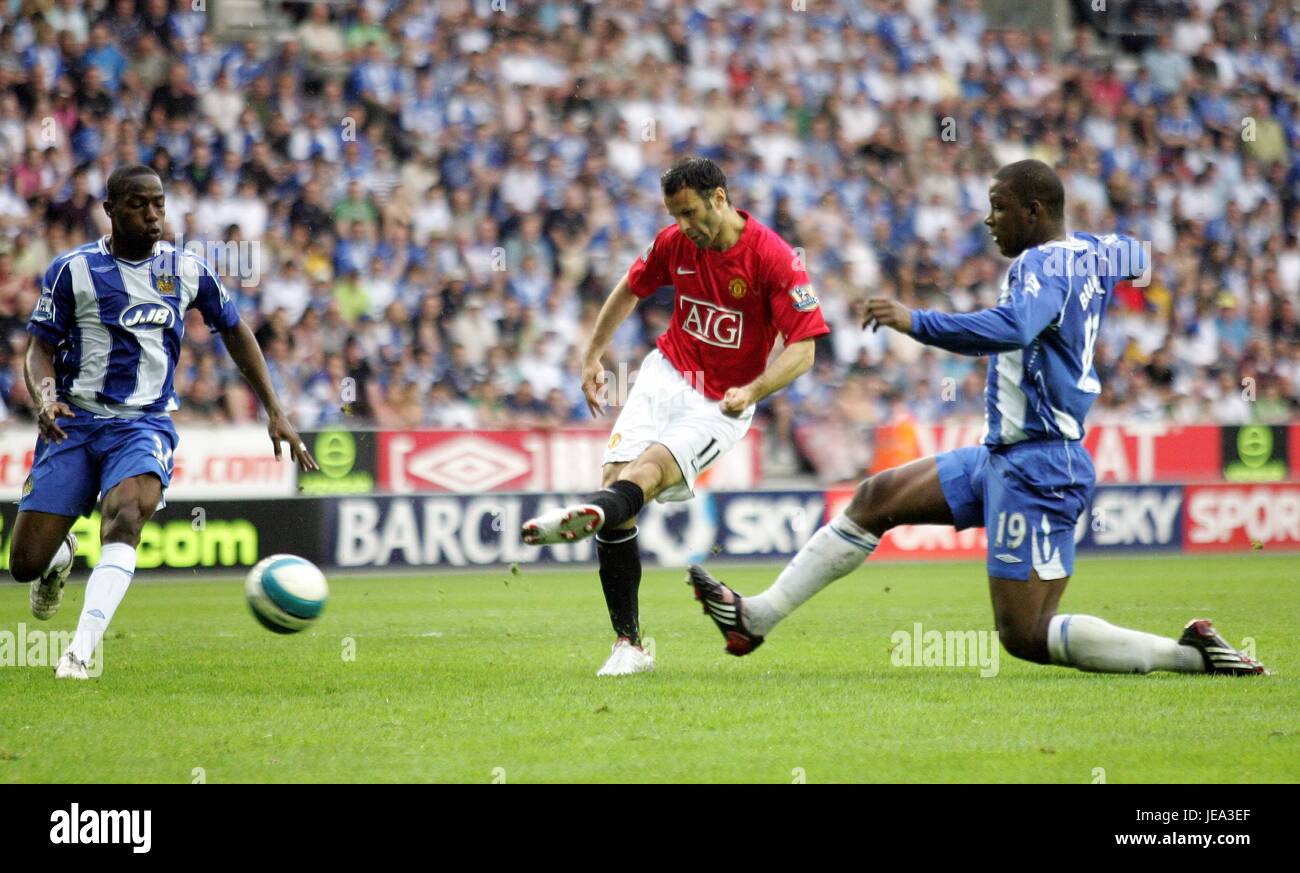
(836, 550)
(1097, 646)
(61, 558)
(105, 590)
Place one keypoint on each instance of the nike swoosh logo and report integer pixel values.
(104, 269)
(683, 272)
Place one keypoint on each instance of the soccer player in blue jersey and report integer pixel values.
(105, 337)
(1030, 478)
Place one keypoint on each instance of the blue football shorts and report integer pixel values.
(1027, 496)
(68, 478)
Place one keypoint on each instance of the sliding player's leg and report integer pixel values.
(1030, 628)
(1034, 496)
(1022, 611)
(935, 490)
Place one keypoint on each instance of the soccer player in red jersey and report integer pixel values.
(737, 286)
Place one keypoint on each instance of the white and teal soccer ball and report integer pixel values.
(286, 593)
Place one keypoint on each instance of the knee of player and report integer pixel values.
(646, 474)
(123, 523)
(1027, 644)
(866, 507)
(22, 567)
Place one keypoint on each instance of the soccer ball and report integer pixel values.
(286, 593)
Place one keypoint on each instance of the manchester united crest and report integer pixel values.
(737, 287)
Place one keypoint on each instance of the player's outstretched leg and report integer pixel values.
(726, 608)
(1030, 628)
(1097, 646)
(127, 506)
(910, 494)
(611, 506)
(43, 548)
(1219, 657)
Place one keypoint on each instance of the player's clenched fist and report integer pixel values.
(593, 386)
(736, 401)
(882, 312)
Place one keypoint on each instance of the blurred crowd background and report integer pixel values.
(421, 205)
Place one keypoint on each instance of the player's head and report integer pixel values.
(695, 192)
(135, 205)
(1026, 206)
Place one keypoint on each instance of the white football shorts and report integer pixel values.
(664, 408)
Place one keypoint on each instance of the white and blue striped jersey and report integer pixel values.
(1041, 336)
(116, 325)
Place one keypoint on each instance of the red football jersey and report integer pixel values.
(729, 305)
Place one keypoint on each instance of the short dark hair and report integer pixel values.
(699, 174)
(117, 181)
(1032, 180)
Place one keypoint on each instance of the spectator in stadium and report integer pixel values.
(450, 161)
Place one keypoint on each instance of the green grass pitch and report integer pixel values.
(490, 677)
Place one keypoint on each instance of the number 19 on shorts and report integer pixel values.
(1012, 528)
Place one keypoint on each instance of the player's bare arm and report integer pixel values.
(38, 369)
(617, 307)
(246, 354)
(794, 360)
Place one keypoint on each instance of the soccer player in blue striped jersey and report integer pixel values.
(105, 336)
(1029, 480)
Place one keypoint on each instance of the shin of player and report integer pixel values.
(125, 510)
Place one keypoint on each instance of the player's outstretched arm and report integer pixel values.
(38, 369)
(1004, 328)
(246, 354)
(794, 360)
(618, 306)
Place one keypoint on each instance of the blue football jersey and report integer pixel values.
(116, 325)
(1041, 336)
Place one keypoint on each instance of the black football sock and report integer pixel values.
(620, 502)
(620, 578)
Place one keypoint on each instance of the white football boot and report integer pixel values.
(46, 592)
(626, 659)
(70, 668)
(564, 524)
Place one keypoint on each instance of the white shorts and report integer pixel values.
(663, 408)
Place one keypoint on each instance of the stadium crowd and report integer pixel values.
(420, 206)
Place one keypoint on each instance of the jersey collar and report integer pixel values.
(103, 248)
